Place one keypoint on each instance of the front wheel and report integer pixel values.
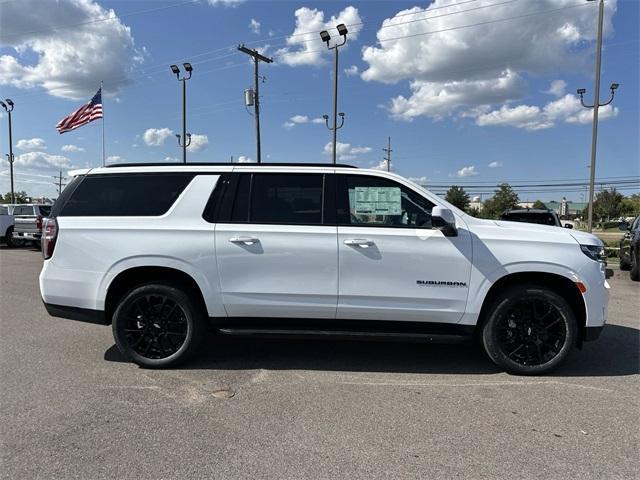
(158, 326)
(8, 238)
(530, 330)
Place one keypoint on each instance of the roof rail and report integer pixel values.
(226, 164)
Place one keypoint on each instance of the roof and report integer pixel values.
(227, 164)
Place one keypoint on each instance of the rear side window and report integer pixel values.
(289, 199)
(4, 211)
(125, 195)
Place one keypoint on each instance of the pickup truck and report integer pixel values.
(6, 225)
(28, 221)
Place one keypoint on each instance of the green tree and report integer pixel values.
(504, 198)
(631, 205)
(21, 197)
(608, 204)
(458, 197)
(539, 204)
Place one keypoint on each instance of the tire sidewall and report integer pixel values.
(511, 296)
(192, 315)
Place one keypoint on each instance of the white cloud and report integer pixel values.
(198, 142)
(31, 144)
(469, 171)
(155, 137)
(243, 159)
(254, 26)
(419, 180)
(557, 88)
(300, 119)
(439, 99)
(69, 62)
(567, 109)
(72, 148)
(42, 160)
(495, 164)
(114, 159)
(170, 159)
(382, 165)
(466, 68)
(351, 71)
(344, 151)
(304, 46)
(226, 3)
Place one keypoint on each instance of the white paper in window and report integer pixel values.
(378, 201)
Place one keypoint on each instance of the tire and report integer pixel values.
(625, 261)
(8, 238)
(158, 326)
(530, 330)
(635, 267)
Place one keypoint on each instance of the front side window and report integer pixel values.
(380, 202)
(4, 211)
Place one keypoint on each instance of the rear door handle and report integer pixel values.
(244, 240)
(359, 242)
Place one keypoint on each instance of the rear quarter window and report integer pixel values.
(125, 195)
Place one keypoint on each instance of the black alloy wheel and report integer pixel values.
(530, 330)
(157, 326)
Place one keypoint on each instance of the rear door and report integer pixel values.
(393, 264)
(276, 255)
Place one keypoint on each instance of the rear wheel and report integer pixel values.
(530, 330)
(635, 266)
(158, 326)
(625, 260)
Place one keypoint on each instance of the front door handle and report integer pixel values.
(359, 242)
(244, 240)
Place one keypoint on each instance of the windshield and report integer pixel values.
(530, 217)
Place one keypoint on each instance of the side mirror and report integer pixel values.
(444, 220)
(624, 225)
(568, 225)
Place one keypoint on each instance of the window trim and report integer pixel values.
(342, 201)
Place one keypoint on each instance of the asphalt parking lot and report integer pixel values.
(251, 408)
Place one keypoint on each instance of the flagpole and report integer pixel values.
(102, 100)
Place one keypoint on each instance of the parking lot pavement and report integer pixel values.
(250, 408)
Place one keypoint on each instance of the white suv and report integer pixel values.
(160, 251)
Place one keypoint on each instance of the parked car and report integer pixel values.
(6, 225)
(160, 251)
(629, 252)
(534, 215)
(28, 222)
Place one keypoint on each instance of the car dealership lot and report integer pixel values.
(255, 408)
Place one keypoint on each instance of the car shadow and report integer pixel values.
(615, 353)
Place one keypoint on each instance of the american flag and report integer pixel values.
(87, 113)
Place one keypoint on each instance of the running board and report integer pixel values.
(346, 334)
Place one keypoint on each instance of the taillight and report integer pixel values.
(49, 235)
(39, 222)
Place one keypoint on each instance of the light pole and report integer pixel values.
(595, 106)
(324, 35)
(186, 137)
(8, 107)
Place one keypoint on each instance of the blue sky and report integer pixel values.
(455, 100)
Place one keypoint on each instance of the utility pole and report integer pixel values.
(58, 183)
(8, 107)
(595, 106)
(186, 137)
(388, 152)
(326, 37)
(256, 86)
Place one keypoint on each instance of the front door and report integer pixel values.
(275, 256)
(393, 264)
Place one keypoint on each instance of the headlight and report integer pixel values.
(594, 252)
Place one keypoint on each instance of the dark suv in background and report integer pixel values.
(630, 249)
(541, 216)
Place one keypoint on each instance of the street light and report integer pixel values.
(9, 109)
(595, 106)
(326, 37)
(186, 137)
